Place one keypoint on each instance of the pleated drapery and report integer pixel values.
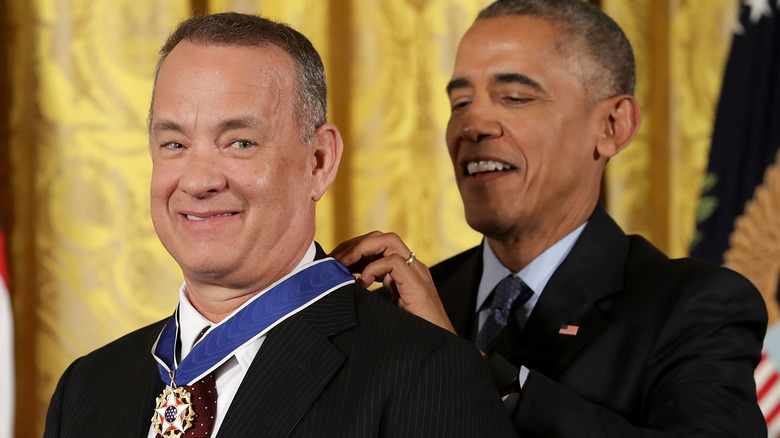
(85, 264)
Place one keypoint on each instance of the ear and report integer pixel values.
(621, 120)
(326, 156)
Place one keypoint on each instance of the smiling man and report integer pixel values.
(271, 337)
(589, 332)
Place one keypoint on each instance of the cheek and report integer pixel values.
(452, 141)
(277, 178)
(158, 197)
(266, 187)
(163, 182)
(259, 180)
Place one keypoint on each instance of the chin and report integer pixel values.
(491, 222)
(204, 265)
(206, 274)
(484, 225)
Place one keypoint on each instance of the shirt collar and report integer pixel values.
(191, 322)
(536, 274)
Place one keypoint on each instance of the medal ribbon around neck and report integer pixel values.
(254, 319)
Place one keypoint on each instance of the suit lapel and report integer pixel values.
(147, 400)
(141, 384)
(457, 281)
(291, 369)
(578, 294)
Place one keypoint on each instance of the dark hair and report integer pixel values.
(583, 26)
(243, 30)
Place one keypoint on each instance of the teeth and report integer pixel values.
(474, 167)
(197, 218)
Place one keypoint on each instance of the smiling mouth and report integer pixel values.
(483, 166)
(199, 218)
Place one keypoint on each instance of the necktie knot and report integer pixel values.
(507, 292)
(510, 293)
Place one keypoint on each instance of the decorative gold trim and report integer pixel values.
(754, 245)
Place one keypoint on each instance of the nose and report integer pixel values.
(202, 175)
(479, 123)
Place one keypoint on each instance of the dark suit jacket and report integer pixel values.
(664, 348)
(350, 365)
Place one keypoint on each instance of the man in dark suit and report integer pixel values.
(271, 337)
(589, 332)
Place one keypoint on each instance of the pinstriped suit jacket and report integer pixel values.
(350, 365)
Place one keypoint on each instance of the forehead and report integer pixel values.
(510, 44)
(217, 75)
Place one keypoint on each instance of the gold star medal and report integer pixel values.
(174, 413)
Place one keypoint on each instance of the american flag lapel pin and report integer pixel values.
(569, 330)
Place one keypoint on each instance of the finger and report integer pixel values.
(389, 284)
(365, 280)
(412, 288)
(355, 249)
(347, 244)
(362, 250)
(381, 271)
(394, 272)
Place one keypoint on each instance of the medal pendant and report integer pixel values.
(174, 413)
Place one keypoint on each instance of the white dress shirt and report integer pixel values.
(230, 374)
(536, 275)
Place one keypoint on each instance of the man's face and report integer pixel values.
(231, 190)
(522, 136)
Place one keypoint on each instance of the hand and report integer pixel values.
(384, 257)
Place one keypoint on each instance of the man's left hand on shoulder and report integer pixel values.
(385, 258)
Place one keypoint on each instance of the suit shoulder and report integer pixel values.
(688, 278)
(384, 322)
(645, 257)
(123, 350)
(445, 268)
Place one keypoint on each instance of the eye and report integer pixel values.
(515, 100)
(242, 144)
(172, 145)
(459, 104)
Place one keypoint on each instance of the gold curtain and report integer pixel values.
(681, 47)
(86, 265)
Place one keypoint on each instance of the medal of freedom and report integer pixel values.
(174, 413)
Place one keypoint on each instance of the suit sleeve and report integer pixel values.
(451, 396)
(54, 414)
(698, 379)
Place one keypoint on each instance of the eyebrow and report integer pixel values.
(502, 78)
(238, 123)
(166, 125)
(457, 84)
(225, 125)
(517, 78)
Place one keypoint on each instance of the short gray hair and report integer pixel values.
(584, 26)
(244, 30)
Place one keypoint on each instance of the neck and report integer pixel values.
(214, 303)
(217, 297)
(518, 249)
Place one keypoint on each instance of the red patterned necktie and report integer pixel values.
(204, 401)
